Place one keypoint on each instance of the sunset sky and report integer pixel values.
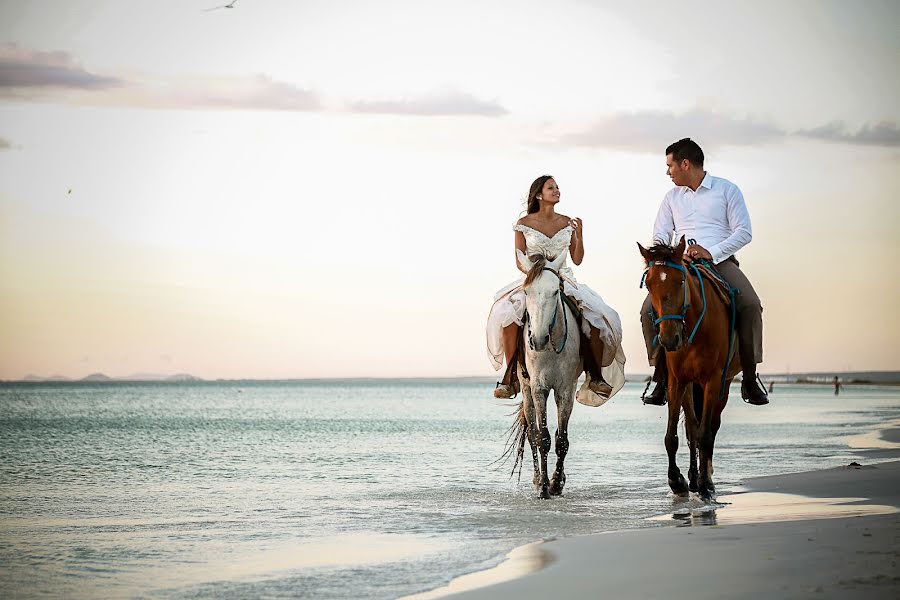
(326, 188)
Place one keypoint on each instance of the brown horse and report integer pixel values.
(696, 331)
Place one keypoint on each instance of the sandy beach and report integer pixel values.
(822, 534)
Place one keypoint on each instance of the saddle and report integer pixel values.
(721, 287)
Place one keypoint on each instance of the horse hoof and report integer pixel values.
(679, 486)
(707, 492)
(545, 493)
(692, 477)
(556, 487)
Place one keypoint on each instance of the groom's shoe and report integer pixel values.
(657, 397)
(750, 390)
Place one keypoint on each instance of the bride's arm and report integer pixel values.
(519, 245)
(576, 246)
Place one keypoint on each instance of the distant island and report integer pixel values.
(103, 378)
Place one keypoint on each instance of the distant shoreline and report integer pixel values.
(873, 378)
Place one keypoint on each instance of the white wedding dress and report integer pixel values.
(509, 307)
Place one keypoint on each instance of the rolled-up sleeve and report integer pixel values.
(738, 223)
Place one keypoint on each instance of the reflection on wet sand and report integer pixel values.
(768, 507)
(521, 561)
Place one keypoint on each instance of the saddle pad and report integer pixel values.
(722, 288)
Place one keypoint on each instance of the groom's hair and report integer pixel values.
(686, 149)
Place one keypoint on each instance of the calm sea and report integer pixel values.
(339, 490)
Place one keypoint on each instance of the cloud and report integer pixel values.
(41, 75)
(24, 69)
(35, 74)
(443, 104)
(652, 131)
(884, 133)
(254, 92)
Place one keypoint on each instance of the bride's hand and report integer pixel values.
(576, 226)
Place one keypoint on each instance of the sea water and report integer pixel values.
(342, 489)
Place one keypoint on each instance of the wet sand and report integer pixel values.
(821, 534)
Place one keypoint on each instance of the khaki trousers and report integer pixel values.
(749, 314)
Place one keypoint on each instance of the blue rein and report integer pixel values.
(687, 302)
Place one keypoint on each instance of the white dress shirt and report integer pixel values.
(714, 216)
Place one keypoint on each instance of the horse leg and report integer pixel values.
(691, 424)
(707, 438)
(528, 406)
(564, 404)
(542, 435)
(676, 481)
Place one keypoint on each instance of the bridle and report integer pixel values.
(556, 305)
(686, 303)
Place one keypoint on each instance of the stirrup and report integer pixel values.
(657, 397)
(760, 386)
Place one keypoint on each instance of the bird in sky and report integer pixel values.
(229, 5)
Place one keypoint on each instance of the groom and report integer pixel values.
(710, 213)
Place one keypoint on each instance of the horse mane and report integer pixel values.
(660, 252)
(538, 262)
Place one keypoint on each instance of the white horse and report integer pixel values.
(552, 344)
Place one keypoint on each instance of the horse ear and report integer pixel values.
(679, 251)
(557, 262)
(523, 260)
(644, 252)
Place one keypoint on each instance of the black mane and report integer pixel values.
(660, 251)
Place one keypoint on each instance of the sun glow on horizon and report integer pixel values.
(282, 193)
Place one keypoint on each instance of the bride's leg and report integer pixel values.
(510, 339)
(509, 386)
(594, 361)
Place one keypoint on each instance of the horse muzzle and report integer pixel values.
(673, 342)
(538, 343)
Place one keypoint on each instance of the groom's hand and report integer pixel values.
(697, 252)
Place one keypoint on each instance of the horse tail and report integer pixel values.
(514, 447)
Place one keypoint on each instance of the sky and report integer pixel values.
(327, 188)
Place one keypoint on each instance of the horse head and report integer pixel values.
(666, 281)
(542, 296)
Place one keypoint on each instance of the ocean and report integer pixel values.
(372, 489)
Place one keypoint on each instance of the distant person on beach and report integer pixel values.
(544, 231)
(837, 385)
(710, 213)
(771, 386)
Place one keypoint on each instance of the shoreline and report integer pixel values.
(832, 533)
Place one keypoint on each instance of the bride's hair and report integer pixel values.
(532, 203)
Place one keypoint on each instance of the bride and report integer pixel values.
(544, 231)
